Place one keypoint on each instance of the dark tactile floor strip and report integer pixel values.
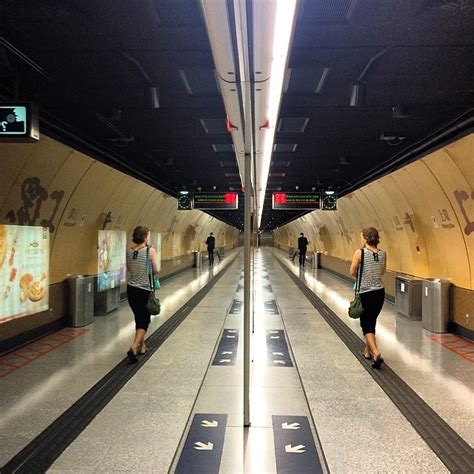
(41, 453)
(451, 449)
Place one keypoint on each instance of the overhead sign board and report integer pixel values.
(18, 122)
(284, 201)
(209, 201)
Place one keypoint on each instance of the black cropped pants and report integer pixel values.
(372, 302)
(137, 299)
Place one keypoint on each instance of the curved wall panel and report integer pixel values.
(424, 213)
(50, 184)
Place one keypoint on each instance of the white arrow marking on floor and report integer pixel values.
(279, 362)
(295, 449)
(224, 361)
(273, 332)
(231, 330)
(231, 337)
(203, 446)
(290, 426)
(274, 337)
(209, 424)
(226, 352)
(278, 353)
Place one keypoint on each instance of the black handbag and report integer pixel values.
(355, 307)
(153, 304)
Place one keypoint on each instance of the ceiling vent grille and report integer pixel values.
(285, 164)
(223, 148)
(285, 147)
(307, 79)
(199, 81)
(214, 125)
(228, 164)
(292, 125)
(331, 11)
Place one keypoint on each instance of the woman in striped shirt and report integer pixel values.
(139, 287)
(371, 292)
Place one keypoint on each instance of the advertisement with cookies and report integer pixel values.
(24, 271)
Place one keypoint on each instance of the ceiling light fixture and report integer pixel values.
(358, 94)
(279, 38)
(329, 191)
(152, 100)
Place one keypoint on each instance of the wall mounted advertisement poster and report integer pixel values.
(111, 259)
(24, 271)
(155, 242)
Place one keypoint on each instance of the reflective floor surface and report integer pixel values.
(304, 382)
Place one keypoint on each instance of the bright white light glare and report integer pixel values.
(283, 28)
(329, 192)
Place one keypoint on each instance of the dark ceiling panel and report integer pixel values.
(331, 11)
(97, 56)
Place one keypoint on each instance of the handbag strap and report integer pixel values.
(149, 268)
(359, 271)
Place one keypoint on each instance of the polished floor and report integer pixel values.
(302, 378)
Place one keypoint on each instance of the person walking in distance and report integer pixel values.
(302, 247)
(140, 259)
(372, 291)
(211, 245)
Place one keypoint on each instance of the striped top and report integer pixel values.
(137, 267)
(374, 264)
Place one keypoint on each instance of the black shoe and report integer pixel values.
(132, 357)
(377, 363)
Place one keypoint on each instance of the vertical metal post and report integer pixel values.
(247, 285)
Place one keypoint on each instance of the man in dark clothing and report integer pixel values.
(211, 245)
(302, 246)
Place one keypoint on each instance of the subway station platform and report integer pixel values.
(71, 402)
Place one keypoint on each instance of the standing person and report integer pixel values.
(211, 245)
(139, 287)
(302, 247)
(372, 291)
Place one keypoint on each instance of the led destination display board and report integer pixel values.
(283, 201)
(216, 201)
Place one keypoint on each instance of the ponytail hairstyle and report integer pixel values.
(371, 235)
(140, 234)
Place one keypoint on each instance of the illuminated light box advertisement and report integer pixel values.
(24, 271)
(295, 201)
(155, 242)
(216, 201)
(19, 122)
(111, 259)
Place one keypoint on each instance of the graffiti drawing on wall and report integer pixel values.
(407, 220)
(398, 225)
(445, 219)
(344, 232)
(33, 195)
(462, 196)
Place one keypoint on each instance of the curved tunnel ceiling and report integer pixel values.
(88, 65)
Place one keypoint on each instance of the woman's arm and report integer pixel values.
(355, 263)
(154, 263)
